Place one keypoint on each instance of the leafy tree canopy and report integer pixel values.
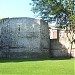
(63, 9)
(1, 20)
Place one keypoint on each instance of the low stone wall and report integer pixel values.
(24, 38)
(61, 47)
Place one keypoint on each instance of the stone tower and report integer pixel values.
(24, 37)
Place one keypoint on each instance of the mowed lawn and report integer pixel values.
(37, 66)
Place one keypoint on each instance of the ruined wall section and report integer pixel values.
(45, 40)
(61, 46)
(0, 40)
(21, 38)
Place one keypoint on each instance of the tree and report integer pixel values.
(63, 10)
(1, 20)
(46, 8)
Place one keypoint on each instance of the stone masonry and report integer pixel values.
(24, 37)
(62, 46)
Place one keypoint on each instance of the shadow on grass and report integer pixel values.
(5, 60)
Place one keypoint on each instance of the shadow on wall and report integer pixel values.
(60, 47)
(58, 50)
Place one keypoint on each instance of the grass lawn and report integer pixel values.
(37, 66)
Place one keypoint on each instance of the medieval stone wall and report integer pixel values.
(24, 38)
(62, 46)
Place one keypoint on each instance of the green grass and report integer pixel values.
(37, 66)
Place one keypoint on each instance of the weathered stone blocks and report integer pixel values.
(24, 38)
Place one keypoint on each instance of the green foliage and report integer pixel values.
(1, 20)
(37, 66)
(46, 8)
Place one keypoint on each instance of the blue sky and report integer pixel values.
(15, 8)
